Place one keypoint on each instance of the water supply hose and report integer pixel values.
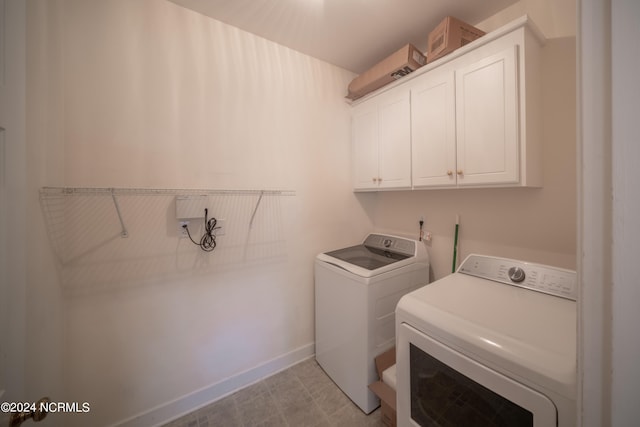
(455, 244)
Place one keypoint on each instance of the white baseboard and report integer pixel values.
(183, 405)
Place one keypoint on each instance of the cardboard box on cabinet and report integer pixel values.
(384, 391)
(449, 35)
(395, 66)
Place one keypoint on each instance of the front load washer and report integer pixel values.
(492, 344)
(356, 292)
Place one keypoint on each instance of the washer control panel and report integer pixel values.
(391, 243)
(537, 277)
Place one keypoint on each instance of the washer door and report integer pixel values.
(436, 386)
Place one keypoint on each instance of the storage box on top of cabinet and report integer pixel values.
(395, 66)
(474, 116)
(449, 35)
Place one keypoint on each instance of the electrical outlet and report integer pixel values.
(428, 236)
(191, 206)
(221, 227)
(182, 230)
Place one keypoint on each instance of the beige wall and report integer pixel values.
(556, 18)
(148, 94)
(45, 166)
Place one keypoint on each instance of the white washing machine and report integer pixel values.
(492, 344)
(356, 292)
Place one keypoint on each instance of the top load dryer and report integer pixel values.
(356, 292)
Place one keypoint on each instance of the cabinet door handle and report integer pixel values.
(459, 171)
(449, 173)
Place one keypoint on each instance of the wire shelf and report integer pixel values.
(87, 226)
(108, 191)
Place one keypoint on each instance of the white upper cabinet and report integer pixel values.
(487, 141)
(433, 129)
(365, 150)
(473, 118)
(382, 142)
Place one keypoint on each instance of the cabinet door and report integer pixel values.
(487, 120)
(395, 140)
(364, 125)
(433, 130)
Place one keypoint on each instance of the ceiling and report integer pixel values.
(352, 34)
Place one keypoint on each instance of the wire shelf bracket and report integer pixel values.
(253, 215)
(124, 233)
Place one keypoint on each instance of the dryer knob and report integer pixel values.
(516, 274)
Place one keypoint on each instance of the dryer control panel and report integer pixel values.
(537, 277)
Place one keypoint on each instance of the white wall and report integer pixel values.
(13, 203)
(594, 214)
(625, 60)
(156, 96)
(609, 206)
(626, 206)
(537, 225)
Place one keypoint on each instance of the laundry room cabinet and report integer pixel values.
(433, 129)
(464, 123)
(487, 115)
(381, 136)
(474, 115)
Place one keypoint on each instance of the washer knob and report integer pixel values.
(516, 274)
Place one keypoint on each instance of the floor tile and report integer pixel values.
(291, 393)
(250, 392)
(352, 416)
(301, 396)
(221, 413)
(255, 411)
(331, 399)
(303, 413)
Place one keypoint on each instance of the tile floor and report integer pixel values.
(301, 396)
